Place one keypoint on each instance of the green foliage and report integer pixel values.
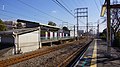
(2, 26)
(51, 23)
(117, 39)
(103, 35)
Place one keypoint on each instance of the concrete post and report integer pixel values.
(39, 37)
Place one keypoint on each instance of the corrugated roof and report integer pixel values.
(18, 31)
(41, 24)
(49, 26)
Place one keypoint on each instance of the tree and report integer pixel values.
(117, 40)
(65, 28)
(103, 35)
(19, 25)
(2, 26)
(51, 23)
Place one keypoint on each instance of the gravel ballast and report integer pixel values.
(52, 59)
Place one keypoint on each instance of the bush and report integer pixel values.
(117, 39)
(102, 36)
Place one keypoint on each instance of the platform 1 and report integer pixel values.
(97, 56)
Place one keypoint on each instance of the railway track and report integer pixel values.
(14, 60)
(73, 58)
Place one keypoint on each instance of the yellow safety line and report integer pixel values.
(94, 56)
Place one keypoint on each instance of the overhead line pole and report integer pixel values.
(82, 12)
(98, 30)
(87, 20)
(77, 19)
(108, 28)
(77, 22)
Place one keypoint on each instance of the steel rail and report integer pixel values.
(71, 60)
(14, 60)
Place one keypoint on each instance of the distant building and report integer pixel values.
(80, 32)
(73, 33)
(13, 24)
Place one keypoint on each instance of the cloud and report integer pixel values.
(54, 11)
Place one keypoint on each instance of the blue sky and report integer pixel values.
(14, 9)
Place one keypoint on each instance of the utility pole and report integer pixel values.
(98, 30)
(64, 24)
(109, 6)
(74, 30)
(108, 28)
(77, 22)
(82, 13)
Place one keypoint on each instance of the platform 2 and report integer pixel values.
(96, 56)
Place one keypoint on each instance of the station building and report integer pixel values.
(23, 40)
(30, 38)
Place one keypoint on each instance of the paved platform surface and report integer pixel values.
(97, 56)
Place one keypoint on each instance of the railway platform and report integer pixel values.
(96, 56)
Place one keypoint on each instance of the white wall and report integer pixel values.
(29, 41)
(66, 35)
(72, 33)
(60, 35)
(63, 35)
(51, 34)
(55, 34)
(46, 34)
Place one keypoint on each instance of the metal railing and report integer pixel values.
(54, 38)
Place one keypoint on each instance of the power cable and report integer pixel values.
(81, 21)
(11, 5)
(65, 5)
(16, 13)
(72, 4)
(39, 10)
(64, 8)
(97, 6)
(76, 2)
(7, 16)
(56, 3)
(100, 2)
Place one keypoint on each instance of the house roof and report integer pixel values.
(18, 31)
(49, 26)
(40, 24)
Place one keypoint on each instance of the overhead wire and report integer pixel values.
(72, 3)
(39, 10)
(7, 16)
(96, 6)
(64, 7)
(56, 3)
(81, 21)
(16, 14)
(80, 2)
(76, 2)
(100, 2)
